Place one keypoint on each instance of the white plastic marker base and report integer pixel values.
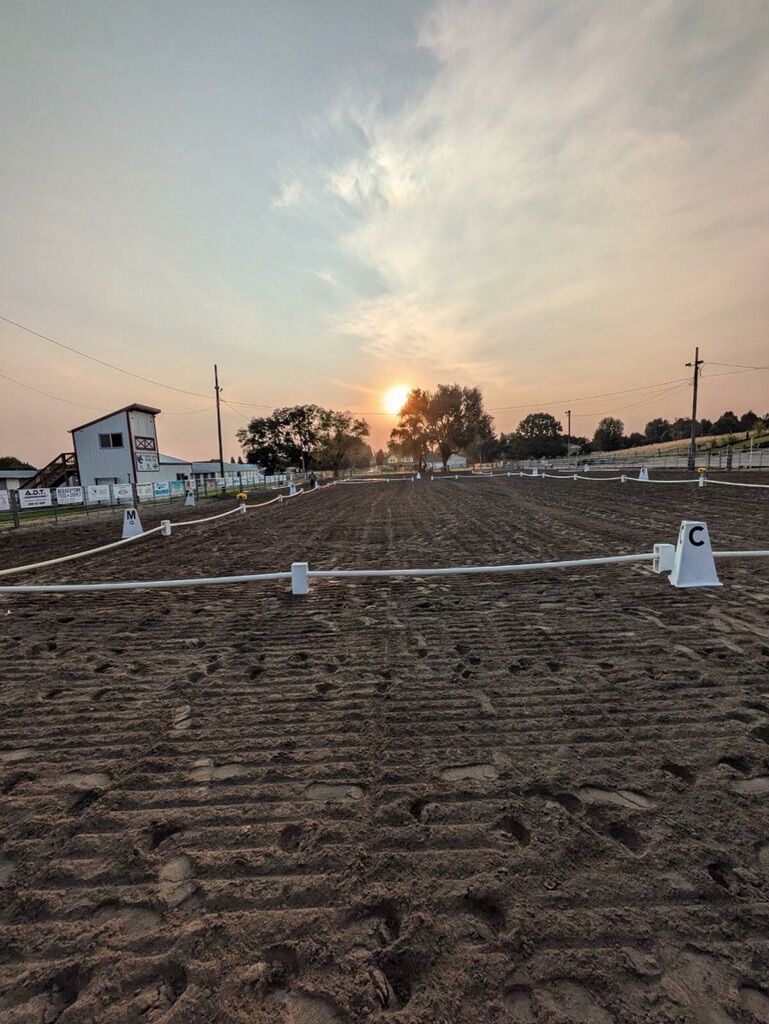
(693, 564)
(664, 556)
(189, 501)
(300, 578)
(165, 527)
(132, 526)
(644, 474)
(702, 480)
(535, 472)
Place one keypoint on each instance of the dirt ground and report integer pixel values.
(541, 797)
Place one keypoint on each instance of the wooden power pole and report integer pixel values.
(695, 379)
(219, 422)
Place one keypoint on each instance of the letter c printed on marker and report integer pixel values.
(692, 541)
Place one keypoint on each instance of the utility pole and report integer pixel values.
(568, 432)
(695, 379)
(217, 389)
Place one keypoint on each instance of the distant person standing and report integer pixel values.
(312, 480)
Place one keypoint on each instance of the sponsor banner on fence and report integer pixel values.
(221, 482)
(34, 497)
(162, 489)
(5, 501)
(147, 462)
(190, 484)
(144, 492)
(98, 492)
(176, 487)
(122, 492)
(69, 495)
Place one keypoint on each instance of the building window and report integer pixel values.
(110, 440)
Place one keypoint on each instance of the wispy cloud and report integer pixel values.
(573, 175)
(291, 193)
(328, 277)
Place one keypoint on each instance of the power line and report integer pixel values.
(56, 398)
(102, 362)
(586, 398)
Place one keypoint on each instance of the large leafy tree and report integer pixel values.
(412, 436)
(658, 430)
(301, 435)
(538, 434)
(11, 462)
(450, 419)
(340, 439)
(609, 435)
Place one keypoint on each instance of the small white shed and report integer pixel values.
(121, 447)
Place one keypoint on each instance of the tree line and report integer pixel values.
(450, 420)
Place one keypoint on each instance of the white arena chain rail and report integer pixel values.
(16, 569)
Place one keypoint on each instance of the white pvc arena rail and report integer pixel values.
(165, 529)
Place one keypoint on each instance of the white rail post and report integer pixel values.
(165, 527)
(664, 556)
(243, 507)
(280, 499)
(693, 564)
(300, 578)
(703, 477)
(623, 478)
(132, 526)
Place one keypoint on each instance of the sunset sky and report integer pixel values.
(551, 200)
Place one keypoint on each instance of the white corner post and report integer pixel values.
(132, 526)
(644, 474)
(300, 578)
(165, 527)
(693, 563)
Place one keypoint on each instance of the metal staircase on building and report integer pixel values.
(59, 472)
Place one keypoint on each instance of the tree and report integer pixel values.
(657, 431)
(380, 458)
(339, 435)
(634, 440)
(609, 434)
(727, 423)
(681, 428)
(11, 462)
(538, 434)
(749, 420)
(705, 426)
(456, 420)
(411, 437)
(287, 438)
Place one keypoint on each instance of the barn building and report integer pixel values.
(120, 448)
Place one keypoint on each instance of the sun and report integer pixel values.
(395, 398)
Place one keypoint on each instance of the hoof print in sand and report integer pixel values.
(6, 867)
(204, 770)
(333, 791)
(177, 881)
(181, 719)
(481, 772)
(627, 798)
(756, 1001)
(757, 786)
(513, 830)
(156, 998)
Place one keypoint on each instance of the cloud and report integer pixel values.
(573, 175)
(328, 277)
(290, 194)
